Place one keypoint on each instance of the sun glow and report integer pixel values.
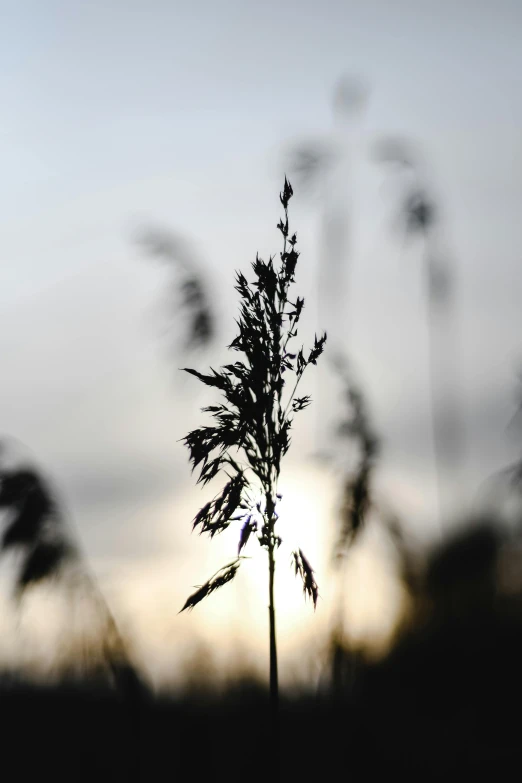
(232, 624)
(146, 594)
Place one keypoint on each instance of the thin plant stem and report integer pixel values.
(274, 678)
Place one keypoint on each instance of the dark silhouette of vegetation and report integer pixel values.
(444, 694)
(444, 697)
(35, 527)
(254, 424)
(357, 435)
(358, 431)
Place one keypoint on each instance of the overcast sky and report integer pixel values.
(120, 115)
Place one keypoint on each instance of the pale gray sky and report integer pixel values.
(120, 114)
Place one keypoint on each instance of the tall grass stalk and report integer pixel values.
(420, 219)
(250, 433)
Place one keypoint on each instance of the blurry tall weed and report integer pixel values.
(358, 438)
(36, 530)
(188, 291)
(419, 218)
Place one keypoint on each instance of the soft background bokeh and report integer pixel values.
(118, 116)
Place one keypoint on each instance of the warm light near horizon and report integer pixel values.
(231, 625)
(234, 621)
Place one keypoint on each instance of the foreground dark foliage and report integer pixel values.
(445, 698)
